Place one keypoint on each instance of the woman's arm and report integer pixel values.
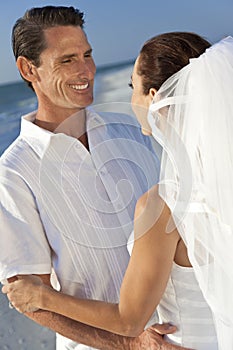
(143, 285)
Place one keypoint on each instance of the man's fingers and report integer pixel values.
(164, 328)
(167, 328)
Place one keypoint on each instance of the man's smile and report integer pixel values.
(79, 86)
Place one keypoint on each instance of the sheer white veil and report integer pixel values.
(192, 117)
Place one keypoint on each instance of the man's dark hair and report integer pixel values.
(28, 38)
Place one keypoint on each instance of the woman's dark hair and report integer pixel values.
(165, 54)
(28, 32)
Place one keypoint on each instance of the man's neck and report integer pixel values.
(72, 125)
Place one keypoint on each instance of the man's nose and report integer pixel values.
(86, 69)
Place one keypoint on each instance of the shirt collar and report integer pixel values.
(39, 139)
(93, 119)
(36, 137)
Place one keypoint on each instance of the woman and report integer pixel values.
(177, 223)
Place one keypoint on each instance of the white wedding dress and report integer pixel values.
(184, 306)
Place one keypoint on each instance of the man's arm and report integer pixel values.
(97, 338)
(103, 340)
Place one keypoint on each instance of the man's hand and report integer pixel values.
(152, 339)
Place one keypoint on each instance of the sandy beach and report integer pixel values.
(17, 332)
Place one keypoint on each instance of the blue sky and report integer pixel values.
(117, 29)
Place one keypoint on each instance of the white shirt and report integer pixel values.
(65, 208)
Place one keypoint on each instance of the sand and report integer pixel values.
(17, 332)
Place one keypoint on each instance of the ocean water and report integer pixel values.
(111, 85)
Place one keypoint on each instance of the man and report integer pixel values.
(66, 198)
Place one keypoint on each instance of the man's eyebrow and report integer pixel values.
(71, 55)
(89, 51)
(63, 57)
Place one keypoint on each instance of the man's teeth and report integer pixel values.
(79, 87)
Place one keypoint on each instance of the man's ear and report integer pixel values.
(26, 69)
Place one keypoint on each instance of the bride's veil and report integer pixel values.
(192, 117)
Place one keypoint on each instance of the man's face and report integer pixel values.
(65, 77)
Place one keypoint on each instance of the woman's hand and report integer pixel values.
(25, 293)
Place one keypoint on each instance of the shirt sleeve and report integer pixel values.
(24, 248)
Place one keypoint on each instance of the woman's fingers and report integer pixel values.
(23, 293)
(5, 289)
